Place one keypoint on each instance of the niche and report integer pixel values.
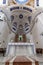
(20, 38)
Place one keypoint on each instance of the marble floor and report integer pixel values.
(39, 58)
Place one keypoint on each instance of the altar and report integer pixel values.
(20, 49)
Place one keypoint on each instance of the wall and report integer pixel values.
(29, 37)
(4, 32)
(37, 31)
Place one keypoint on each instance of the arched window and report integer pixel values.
(3, 2)
(41, 3)
(38, 3)
(21, 1)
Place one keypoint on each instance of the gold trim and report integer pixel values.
(14, 2)
(20, 11)
(29, 3)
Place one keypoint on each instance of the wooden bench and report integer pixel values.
(2, 51)
(38, 50)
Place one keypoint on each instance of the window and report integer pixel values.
(21, 1)
(38, 3)
(41, 3)
(3, 2)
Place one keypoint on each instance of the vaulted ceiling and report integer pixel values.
(30, 2)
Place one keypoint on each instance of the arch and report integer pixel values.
(12, 9)
(34, 16)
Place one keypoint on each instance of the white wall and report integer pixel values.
(37, 30)
(29, 37)
(4, 32)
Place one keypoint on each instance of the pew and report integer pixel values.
(2, 51)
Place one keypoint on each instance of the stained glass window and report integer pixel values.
(21, 1)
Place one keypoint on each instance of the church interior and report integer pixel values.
(21, 32)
